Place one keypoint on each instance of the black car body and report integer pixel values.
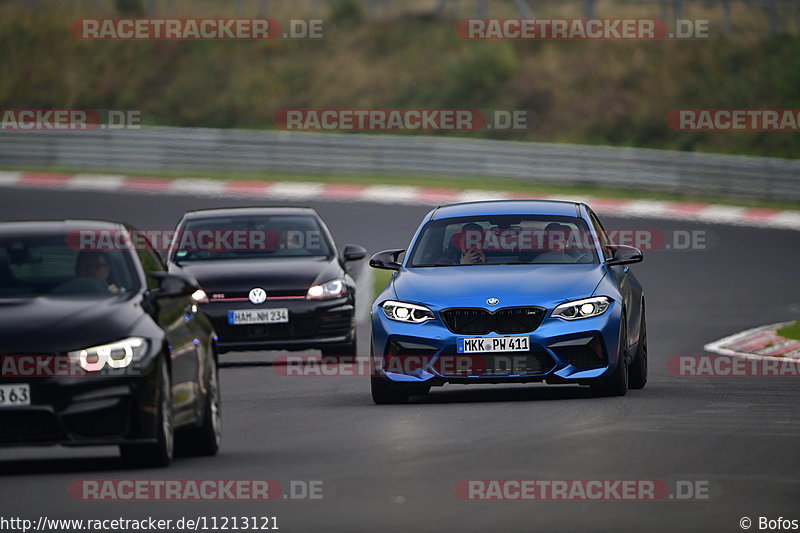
(304, 295)
(128, 367)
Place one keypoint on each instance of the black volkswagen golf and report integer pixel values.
(100, 345)
(273, 277)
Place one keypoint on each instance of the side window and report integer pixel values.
(601, 234)
(151, 262)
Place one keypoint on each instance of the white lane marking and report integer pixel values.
(292, 190)
(722, 213)
(198, 186)
(94, 182)
(9, 179)
(645, 208)
(784, 219)
(390, 194)
(477, 195)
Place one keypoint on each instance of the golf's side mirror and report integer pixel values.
(353, 252)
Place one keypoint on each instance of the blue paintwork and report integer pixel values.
(543, 285)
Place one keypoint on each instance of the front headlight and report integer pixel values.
(115, 355)
(330, 289)
(403, 312)
(585, 308)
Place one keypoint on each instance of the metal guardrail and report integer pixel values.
(190, 150)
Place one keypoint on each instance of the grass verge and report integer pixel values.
(792, 331)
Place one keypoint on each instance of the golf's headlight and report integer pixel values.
(330, 289)
(585, 308)
(403, 312)
(115, 355)
(199, 296)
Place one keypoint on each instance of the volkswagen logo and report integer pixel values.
(258, 295)
(492, 301)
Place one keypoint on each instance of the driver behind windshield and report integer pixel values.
(557, 239)
(459, 253)
(92, 269)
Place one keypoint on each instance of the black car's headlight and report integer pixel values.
(330, 289)
(404, 312)
(588, 307)
(116, 354)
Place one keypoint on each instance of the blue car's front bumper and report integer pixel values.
(561, 351)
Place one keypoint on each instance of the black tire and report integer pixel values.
(384, 393)
(637, 377)
(343, 353)
(617, 383)
(159, 453)
(206, 439)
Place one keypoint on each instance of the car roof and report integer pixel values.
(507, 207)
(39, 227)
(249, 211)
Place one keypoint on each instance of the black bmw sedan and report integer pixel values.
(273, 276)
(100, 345)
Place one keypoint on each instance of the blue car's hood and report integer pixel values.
(471, 286)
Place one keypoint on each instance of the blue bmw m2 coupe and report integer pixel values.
(507, 292)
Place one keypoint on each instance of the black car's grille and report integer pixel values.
(477, 321)
(105, 422)
(29, 425)
(335, 325)
(271, 293)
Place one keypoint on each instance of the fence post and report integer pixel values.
(726, 17)
(523, 8)
(481, 9)
(588, 9)
(773, 17)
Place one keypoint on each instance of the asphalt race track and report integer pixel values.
(394, 468)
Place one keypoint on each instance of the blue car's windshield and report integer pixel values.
(504, 239)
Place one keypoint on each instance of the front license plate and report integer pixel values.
(13, 395)
(492, 344)
(258, 316)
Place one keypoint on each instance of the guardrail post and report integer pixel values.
(588, 9)
(726, 17)
(773, 17)
(523, 9)
(481, 10)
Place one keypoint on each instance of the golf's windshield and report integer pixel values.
(49, 265)
(506, 239)
(250, 237)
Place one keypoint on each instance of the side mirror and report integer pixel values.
(624, 255)
(386, 260)
(174, 284)
(354, 252)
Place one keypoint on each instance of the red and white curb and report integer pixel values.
(757, 342)
(392, 194)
